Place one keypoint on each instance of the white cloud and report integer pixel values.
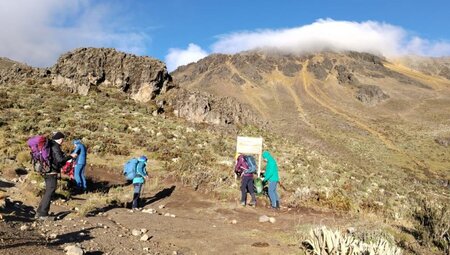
(37, 32)
(178, 57)
(327, 34)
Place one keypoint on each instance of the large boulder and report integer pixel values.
(85, 69)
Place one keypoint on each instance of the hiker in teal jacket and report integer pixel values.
(138, 181)
(271, 175)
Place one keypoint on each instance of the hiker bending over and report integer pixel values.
(138, 180)
(80, 165)
(245, 168)
(57, 160)
(271, 175)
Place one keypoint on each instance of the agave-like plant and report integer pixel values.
(328, 242)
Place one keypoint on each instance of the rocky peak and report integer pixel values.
(86, 69)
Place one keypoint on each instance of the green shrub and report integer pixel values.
(433, 224)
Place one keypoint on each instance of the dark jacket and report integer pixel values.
(58, 158)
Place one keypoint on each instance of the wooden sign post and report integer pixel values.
(250, 145)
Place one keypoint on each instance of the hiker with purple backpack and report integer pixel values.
(49, 158)
(245, 168)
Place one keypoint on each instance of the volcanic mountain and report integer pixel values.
(357, 106)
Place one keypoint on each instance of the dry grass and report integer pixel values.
(114, 128)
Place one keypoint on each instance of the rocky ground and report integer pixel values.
(174, 220)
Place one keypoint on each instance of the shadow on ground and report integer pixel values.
(166, 192)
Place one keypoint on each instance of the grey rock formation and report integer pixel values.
(85, 69)
(371, 95)
(290, 68)
(199, 107)
(320, 69)
(344, 76)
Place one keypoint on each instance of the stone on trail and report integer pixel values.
(145, 237)
(143, 230)
(264, 218)
(234, 222)
(161, 206)
(73, 250)
(24, 227)
(150, 211)
(136, 232)
(272, 220)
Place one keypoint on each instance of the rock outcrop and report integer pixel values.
(201, 107)
(371, 94)
(85, 69)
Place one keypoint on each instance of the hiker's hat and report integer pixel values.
(58, 135)
(142, 158)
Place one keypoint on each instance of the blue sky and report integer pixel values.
(181, 31)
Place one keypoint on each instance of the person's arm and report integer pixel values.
(59, 158)
(268, 173)
(76, 150)
(144, 171)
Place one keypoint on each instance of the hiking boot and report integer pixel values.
(252, 204)
(243, 203)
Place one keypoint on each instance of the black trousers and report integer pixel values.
(50, 187)
(247, 185)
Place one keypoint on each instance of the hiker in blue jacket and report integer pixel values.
(80, 165)
(138, 181)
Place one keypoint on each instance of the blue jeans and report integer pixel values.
(136, 195)
(80, 180)
(273, 195)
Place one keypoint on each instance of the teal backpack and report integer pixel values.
(129, 169)
(251, 163)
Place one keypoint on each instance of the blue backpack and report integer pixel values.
(251, 163)
(129, 169)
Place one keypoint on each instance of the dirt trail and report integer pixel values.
(200, 225)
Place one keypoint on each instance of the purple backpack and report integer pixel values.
(241, 165)
(40, 153)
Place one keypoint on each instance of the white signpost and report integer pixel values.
(250, 145)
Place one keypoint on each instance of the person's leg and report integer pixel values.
(77, 175)
(243, 190)
(272, 194)
(136, 195)
(83, 177)
(50, 187)
(251, 190)
(277, 203)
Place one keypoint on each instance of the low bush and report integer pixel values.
(433, 224)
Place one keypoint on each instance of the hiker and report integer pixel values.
(80, 166)
(271, 175)
(245, 170)
(57, 160)
(139, 180)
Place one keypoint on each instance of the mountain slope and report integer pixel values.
(356, 106)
